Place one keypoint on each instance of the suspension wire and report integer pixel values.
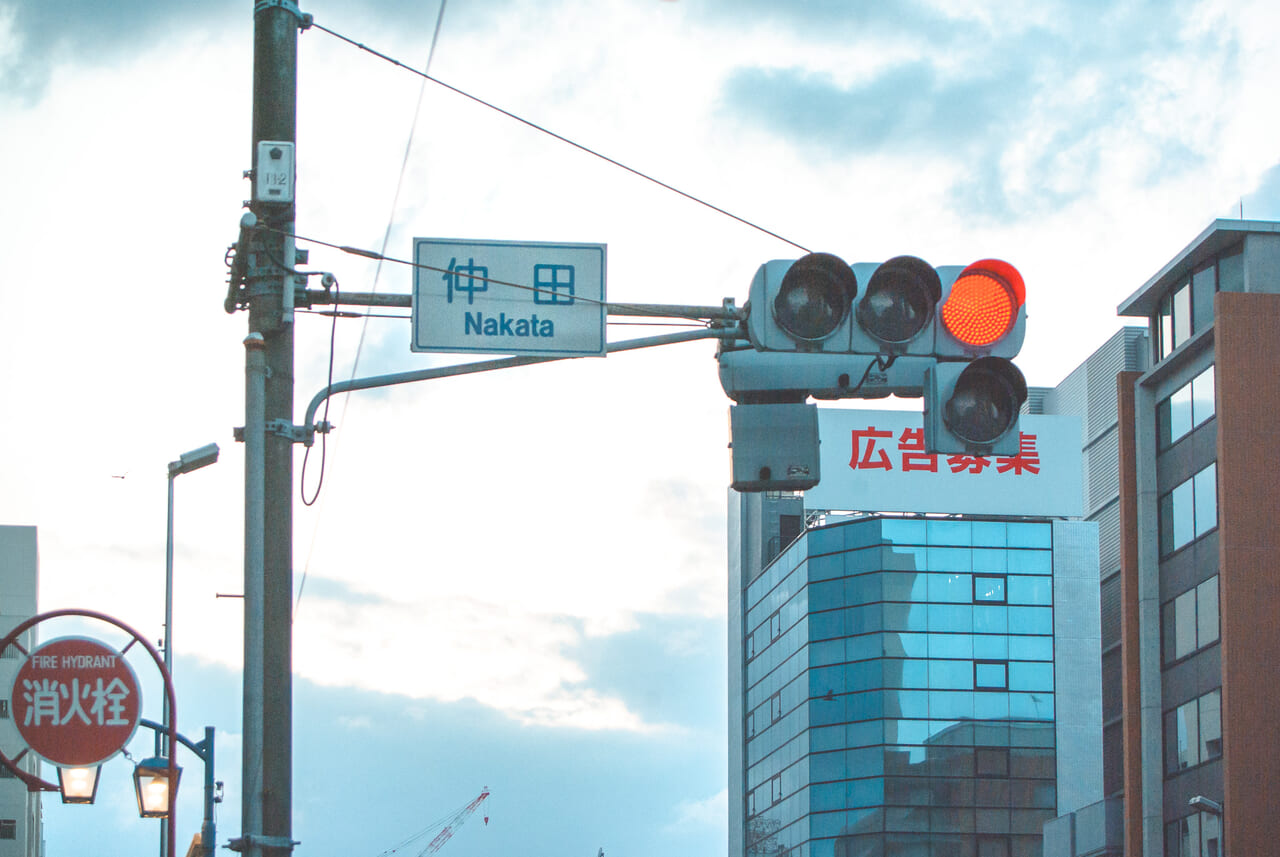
(579, 146)
(364, 328)
(382, 257)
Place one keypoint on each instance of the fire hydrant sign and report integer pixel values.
(503, 297)
(76, 702)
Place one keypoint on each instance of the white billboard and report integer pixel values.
(874, 461)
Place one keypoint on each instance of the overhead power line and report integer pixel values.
(579, 146)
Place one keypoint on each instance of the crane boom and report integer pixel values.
(459, 818)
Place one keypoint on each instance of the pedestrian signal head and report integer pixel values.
(814, 297)
(982, 305)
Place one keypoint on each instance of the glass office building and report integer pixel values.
(897, 685)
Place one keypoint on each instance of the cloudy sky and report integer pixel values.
(517, 580)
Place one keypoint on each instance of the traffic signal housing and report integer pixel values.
(819, 327)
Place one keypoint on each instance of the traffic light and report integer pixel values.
(819, 327)
(973, 394)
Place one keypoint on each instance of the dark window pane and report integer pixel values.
(992, 761)
(1166, 524)
(1203, 285)
(1168, 625)
(1164, 328)
(1184, 620)
(1164, 429)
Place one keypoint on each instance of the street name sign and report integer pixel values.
(76, 702)
(505, 297)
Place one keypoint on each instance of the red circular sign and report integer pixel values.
(76, 702)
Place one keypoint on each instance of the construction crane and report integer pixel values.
(444, 828)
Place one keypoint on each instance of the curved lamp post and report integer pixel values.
(155, 768)
(187, 462)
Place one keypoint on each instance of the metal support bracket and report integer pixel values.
(249, 840)
(284, 428)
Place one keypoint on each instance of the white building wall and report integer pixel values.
(18, 583)
(1077, 661)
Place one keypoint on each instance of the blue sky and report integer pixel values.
(517, 580)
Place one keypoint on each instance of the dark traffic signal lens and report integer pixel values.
(814, 296)
(899, 301)
(987, 398)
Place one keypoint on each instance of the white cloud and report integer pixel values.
(709, 812)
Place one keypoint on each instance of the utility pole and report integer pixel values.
(269, 291)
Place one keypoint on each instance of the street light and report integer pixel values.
(187, 462)
(204, 751)
(152, 785)
(78, 785)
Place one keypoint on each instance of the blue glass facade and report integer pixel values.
(899, 691)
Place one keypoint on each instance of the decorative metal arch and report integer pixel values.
(33, 782)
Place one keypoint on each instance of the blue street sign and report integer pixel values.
(504, 297)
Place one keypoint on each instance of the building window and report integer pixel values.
(6, 773)
(1190, 621)
(989, 588)
(775, 707)
(1186, 409)
(775, 789)
(1196, 835)
(1193, 732)
(992, 761)
(8, 828)
(1189, 511)
(1174, 319)
(775, 626)
(1188, 306)
(991, 675)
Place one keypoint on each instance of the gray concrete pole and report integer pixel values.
(268, 760)
(270, 292)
